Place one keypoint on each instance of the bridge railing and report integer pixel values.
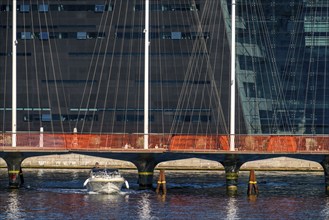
(259, 143)
(84, 141)
(253, 143)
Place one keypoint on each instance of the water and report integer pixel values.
(58, 194)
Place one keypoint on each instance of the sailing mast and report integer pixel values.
(14, 84)
(146, 75)
(232, 99)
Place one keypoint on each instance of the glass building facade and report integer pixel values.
(81, 65)
(282, 65)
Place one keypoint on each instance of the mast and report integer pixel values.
(14, 90)
(146, 75)
(232, 99)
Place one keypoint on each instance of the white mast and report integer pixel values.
(232, 109)
(14, 92)
(146, 75)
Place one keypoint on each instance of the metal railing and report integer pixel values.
(167, 142)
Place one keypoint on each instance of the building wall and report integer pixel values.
(81, 64)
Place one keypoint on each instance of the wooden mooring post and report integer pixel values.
(252, 185)
(161, 183)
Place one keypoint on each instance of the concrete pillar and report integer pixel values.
(325, 165)
(232, 166)
(145, 169)
(15, 175)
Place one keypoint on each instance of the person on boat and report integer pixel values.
(96, 166)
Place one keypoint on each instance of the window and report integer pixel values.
(44, 36)
(45, 117)
(250, 89)
(57, 117)
(82, 35)
(43, 8)
(24, 8)
(132, 118)
(26, 35)
(192, 118)
(169, 7)
(316, 41)
(99, 8)
(176, 35)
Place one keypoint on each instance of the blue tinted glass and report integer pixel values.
(24, 8)
(43, 8)
(44, 36)
(82, 35)
(176, 35)
(99, 8)
(46, 117)
(26, 35)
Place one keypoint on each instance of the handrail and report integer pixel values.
(167, 142)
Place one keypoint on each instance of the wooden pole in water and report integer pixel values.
(161, 183)
(252, 186)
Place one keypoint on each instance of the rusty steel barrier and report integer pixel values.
(248, 143)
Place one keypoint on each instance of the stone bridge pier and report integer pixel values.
(232, 166)
(145, 166)
(15, 174)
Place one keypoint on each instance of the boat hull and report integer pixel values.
(107, 186)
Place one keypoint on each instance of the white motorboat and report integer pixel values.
(105, 181)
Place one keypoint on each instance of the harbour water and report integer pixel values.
(59, 194)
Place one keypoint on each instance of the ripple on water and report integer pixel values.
(56, 194)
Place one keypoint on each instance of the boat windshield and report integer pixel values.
(104, 172)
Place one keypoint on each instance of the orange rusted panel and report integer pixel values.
(204, 142)
(322, 143)
(282, 144)
(182, 142)
(191, 142)
(261, 143)
(252, 142)
(159, 141)
(96, 141)
(54, 141)
(224, 143)
(312, 143)
(112, 140)
(27, 140)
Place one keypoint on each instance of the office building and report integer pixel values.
(80, 64)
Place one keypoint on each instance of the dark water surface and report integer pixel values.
(59, 194)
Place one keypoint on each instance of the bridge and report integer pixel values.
(165, 147)
(97, 84)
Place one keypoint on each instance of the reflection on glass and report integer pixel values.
(231, 209)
